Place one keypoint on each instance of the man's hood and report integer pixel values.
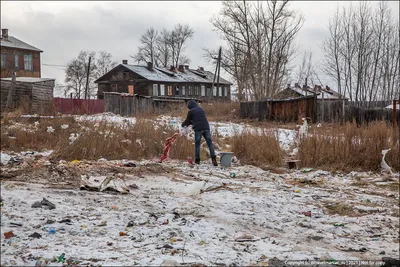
(191, 104)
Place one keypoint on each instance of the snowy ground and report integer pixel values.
(256, 217)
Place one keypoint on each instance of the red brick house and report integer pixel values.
(18, 56)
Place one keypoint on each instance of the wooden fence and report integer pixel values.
(131, 105)
(286, 110)
(292, 110)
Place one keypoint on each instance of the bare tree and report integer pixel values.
(147, 52)
(362, 52)
(259, 37)
(76, 72)
(179, 36)
(164, 48)
(104, 64)
(306, 69)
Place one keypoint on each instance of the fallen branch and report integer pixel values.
(224, 185)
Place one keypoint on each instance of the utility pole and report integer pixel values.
(87, 79)
(217, 68)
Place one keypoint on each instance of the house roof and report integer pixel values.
(158, 74)
(322, 93)
(13, 42)
(29, 79)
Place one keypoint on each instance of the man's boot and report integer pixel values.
(214, 161)
(197, 161)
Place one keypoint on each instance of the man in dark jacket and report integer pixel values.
(197, 117)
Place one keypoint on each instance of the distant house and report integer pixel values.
(181, 82)
(18, 56)
(297, 91)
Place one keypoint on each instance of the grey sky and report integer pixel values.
(62, 29)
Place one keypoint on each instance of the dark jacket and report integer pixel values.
(196, 117)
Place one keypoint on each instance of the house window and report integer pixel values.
(226, 91)
(16, 61)
(177, 90)
(28, 62)
(214, 91)
(169, 89)
(162, 89)
(208, 91)
(114, 87)
(155, 89)
(189, 90)
(3, 60)
(203, 90)
(220, 91)
(183, 90)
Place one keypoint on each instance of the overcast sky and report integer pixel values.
(62, 29)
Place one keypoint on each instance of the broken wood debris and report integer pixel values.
(215, 188)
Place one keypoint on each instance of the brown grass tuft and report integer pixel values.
(350, 148)
(257, 150)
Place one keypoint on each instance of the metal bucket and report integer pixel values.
(226, 158)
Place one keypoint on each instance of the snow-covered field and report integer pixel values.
(178, 214)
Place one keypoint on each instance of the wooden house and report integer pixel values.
(181, 82)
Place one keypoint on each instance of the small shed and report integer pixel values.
(34, 94)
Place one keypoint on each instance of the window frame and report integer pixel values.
(28, 63)
(183, 93)
(203, 90)
(214, 91)
(16, 62)
(162, 89)
(3, 60)
(169, 90)
(155, 89)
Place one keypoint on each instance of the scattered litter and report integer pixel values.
(51, 230)
(66, 221)
(36, 235)
(44, 204)
(8, 235)
(16, 224)
(307, 170)
(104, 183)
(123, 234)
(246, 238)
(170, 263)
(61, 258)
(232, 174)
(5, 158)
(338, 224)
(306, 213)
(75, 161)
(385, 167)
(129, 164)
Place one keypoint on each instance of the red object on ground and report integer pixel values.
(167, 147)
(307, 213)
(190, 160)
(8, 235)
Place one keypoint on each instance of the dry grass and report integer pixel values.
(341, 209)
(257, 149)
(350, 148)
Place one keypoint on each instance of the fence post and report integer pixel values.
(72, 105)
(394, 113)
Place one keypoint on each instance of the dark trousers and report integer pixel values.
(197, 139)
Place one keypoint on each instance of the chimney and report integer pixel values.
(4, 34)
(124, 61)
(306, 82)
(150, 65)
(201, 68)
(186, 67)
(180, 68)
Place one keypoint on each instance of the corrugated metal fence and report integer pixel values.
(78, 106)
